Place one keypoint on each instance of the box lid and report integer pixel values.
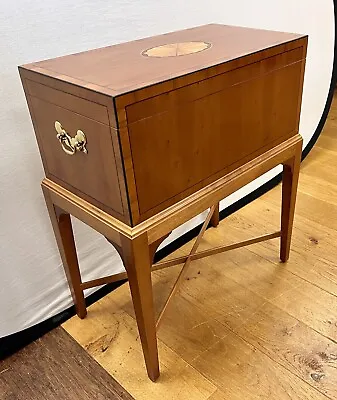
(126, 67)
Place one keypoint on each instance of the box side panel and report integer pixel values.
(96, 176)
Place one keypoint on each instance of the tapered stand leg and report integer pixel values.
(63, 232)
(291, 171)
(215, 217)
(136, 257)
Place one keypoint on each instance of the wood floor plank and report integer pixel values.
(273, 282)
(317, 210)
(305, 352)
(218, 395)
(294, 345)
(110, 335)
(313, 306)
(318, 188)
(243, 372)
(331, 123)
(317, 357)
(326, 142)
(56, 367)
(313, 252)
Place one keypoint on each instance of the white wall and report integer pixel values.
(32, 282)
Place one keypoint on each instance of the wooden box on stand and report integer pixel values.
(140, 137)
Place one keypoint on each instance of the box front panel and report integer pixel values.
(191, 143)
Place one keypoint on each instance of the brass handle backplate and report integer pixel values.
(71, 145)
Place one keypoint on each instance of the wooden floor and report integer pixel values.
(243, 326)
(55, 367)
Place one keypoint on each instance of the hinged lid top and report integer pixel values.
(129, 66)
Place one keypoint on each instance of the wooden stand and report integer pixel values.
(137, 245)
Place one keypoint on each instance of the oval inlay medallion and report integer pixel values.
(176, 49)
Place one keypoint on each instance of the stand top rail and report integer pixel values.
(174, 216)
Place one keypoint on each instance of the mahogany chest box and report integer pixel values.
(136, 127)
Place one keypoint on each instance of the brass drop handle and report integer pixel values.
(71, 145)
